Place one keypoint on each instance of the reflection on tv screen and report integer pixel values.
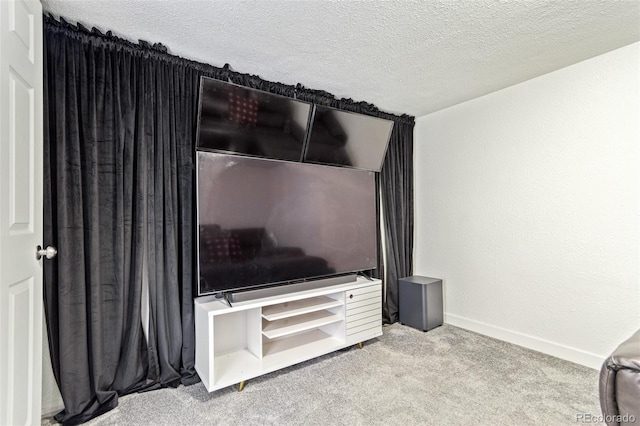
(247, 121)
(348, 139)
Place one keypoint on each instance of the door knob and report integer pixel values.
(50, 252)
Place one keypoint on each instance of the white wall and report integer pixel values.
(527, 206)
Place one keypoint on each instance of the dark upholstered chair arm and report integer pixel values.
(620, 384)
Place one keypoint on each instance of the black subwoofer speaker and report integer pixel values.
(420, 302)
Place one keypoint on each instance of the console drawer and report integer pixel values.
(364, 334)
(363, 313)
(364, 296)
(375, 312)
(364, 290)
(372, 319)
(374, 306)
(374, 301)
(374, 327)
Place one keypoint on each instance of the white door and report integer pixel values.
(20, 211)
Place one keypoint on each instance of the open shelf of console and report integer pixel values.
(300, 323)
(299, 307)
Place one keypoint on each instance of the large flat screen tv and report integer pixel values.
(348, 139)
(247, 121)
(264, 222)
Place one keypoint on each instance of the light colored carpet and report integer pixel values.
(447, 376)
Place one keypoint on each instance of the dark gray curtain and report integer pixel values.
(396, 189)
(119, 206)
(119, 136)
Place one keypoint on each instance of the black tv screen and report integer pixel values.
(247, 121)
(348, 139)
(266, 222)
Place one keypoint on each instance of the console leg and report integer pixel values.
(241, 386)
(360, 345)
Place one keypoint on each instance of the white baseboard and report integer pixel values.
(577, 356)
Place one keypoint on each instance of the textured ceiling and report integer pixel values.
(405, 57)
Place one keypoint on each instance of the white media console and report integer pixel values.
(258, 336)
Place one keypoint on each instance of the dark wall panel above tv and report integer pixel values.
(348, 139)
(247, 121)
